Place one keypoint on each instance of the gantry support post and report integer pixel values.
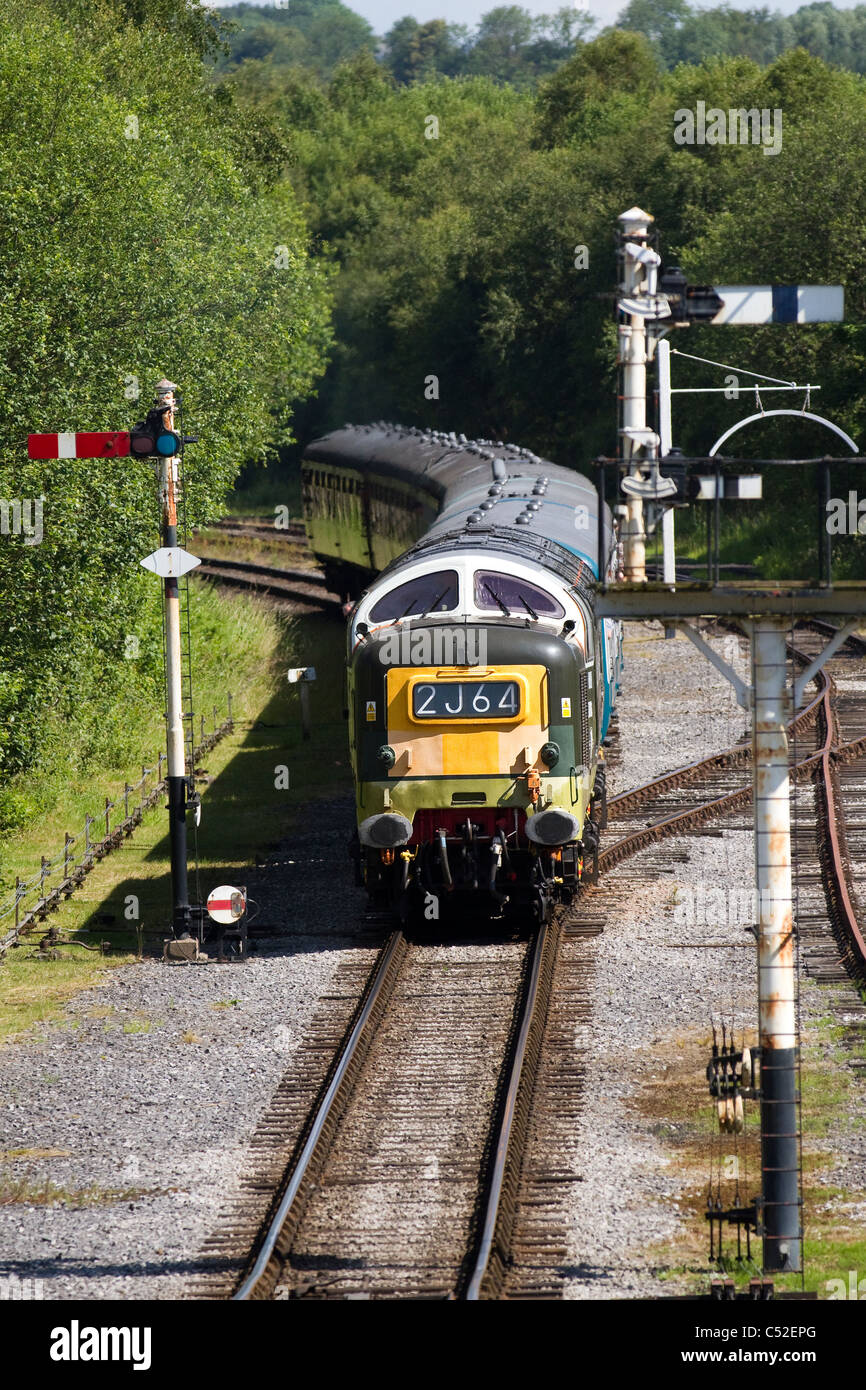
(780, 1128)
(663, 359)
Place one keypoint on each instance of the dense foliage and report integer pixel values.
(457, 210)
(457, 252)
(314, 34)
(162, 213)
(682, 33)
(509, 44)
(144, 230)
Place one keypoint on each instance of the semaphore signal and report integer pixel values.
(150, 439)
(155, 438)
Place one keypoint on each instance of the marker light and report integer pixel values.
(167, 443)
(141, 443)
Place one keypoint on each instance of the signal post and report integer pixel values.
(176, 780)
(155, 438)
(650, 305)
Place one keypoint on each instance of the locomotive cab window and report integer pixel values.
(428, 593)
(508, 593)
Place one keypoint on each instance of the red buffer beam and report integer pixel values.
(99, 444)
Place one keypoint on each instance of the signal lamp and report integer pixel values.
(167, 443)
(142, 442)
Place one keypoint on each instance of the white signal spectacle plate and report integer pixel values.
(170, 561)
(781, 304)
(226, 904)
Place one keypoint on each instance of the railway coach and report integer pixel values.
(480, 682)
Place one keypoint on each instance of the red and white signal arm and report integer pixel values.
(87, 444)
(226, 904)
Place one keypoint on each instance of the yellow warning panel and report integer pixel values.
(566, 707)
(489, 741)
(371, 711)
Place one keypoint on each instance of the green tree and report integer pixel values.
(657, 19)
(617, 68)
(414, 52)
(143, 231)
(318, 34)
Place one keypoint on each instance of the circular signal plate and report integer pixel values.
(226, 904)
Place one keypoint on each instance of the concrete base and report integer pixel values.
(182, 950)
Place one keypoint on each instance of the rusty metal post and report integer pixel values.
(780, 1136)
(176, 779)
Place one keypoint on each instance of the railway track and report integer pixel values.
(457, 1250)
(305, 591)
(260, 528)
(350, 1214)
(833, 942)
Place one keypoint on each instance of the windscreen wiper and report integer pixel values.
(497, 599)
(404, 614)
(430, 607)
(526, 605)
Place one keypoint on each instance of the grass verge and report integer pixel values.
(678, 1111)
(246, 807)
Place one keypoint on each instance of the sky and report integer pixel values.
(382, 13)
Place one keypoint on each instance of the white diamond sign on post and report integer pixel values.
(170, 562)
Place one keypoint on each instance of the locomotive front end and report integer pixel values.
(474, 744)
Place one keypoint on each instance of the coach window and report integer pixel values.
(509, 593)
(428, 593)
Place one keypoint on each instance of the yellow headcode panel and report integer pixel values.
(482, 721)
